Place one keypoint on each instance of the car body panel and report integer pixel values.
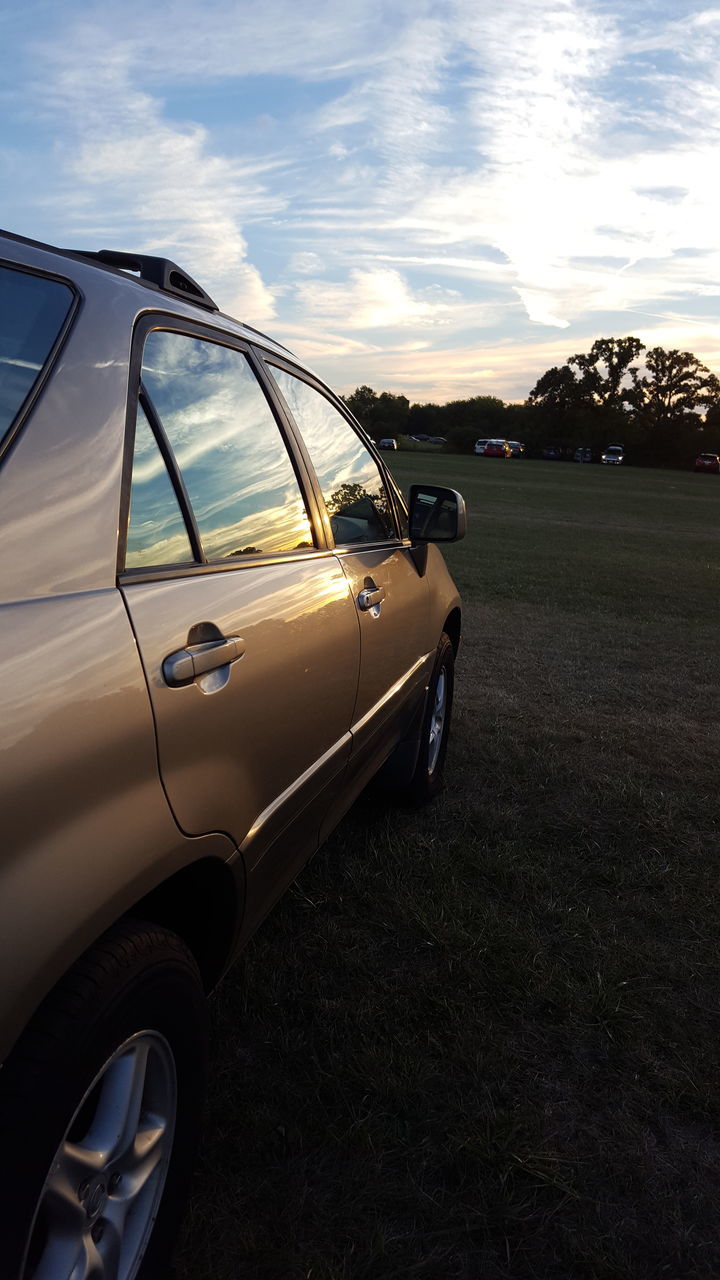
(86, 826)
(394, 643)
(228, 742)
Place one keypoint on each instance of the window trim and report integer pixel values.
(177, 483)
(167, 322)
(15, 428)
(303, 375)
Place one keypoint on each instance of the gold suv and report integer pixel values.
(220, 620)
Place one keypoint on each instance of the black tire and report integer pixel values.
(427, 780)
(139, 980)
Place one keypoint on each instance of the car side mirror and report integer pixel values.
(436, 514)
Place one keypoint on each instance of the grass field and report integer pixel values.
(483, 1040)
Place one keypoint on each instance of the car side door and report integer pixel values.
(243, 617)
(391, 596)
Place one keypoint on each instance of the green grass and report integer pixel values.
(483, 1040)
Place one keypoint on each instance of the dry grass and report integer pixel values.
(483, 1040)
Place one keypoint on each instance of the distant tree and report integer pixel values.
(381, 415)
(425, 419)
(560, 393)
(675, 384)
(712, 417)
(390, 415)
(363, 403)
(668, 400)
(586, 401)
(463, 421)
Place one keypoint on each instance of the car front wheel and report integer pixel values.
(427, 779)
(100, 1107)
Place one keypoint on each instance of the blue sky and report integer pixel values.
(436, 198)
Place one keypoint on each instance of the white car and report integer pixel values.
(480, 446)
(614, 455)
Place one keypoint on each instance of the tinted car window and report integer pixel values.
(234, 463)
(156, 534)
(352, 486)
(32, 313)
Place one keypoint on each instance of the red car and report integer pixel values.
(497, 449)
(707, 462)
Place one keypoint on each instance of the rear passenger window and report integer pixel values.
(352, 485)
(232, 459)
(156, 533)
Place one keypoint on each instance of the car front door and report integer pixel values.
(391, 596)
(243, 617)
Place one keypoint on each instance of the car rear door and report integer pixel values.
(243, 618)
(391, 596)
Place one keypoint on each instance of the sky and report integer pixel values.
(439, 198)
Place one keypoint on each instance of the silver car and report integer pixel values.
(220, 620)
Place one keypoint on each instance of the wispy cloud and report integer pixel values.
(395, 186)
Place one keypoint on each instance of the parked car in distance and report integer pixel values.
(614, 455)
(552, 453)
(221, 619)
(389, 442)
(497, 449)
(707, 462)
(437, 439)
(480, 446)
(517, 450)
(583, 455)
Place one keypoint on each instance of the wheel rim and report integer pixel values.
(437, 721)
(103, 1192)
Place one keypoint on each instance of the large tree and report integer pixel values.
(675, 385)
(560, 392)
(601, 377)
(606, 373)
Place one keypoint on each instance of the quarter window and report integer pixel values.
(232, 459)
(352, 485)
(32, 313)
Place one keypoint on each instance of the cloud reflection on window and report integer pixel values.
(352, 486)
(156, 533)
(233, 460)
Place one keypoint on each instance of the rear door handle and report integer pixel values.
(185, 665)
(370, 597)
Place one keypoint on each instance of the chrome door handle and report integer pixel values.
(185, 665)
(370, 597)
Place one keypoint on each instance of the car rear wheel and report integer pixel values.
(99, 1113)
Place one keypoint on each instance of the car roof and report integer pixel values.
(160, 276)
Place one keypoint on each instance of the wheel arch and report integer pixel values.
(452, 627)
(203, 902)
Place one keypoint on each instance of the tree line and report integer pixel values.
(663, 406)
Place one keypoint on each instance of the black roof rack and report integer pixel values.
(160, 272)
(163, 273)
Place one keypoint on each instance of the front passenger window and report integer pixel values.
(357, 501)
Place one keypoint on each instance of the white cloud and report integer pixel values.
(136, 180)
(375, 298)
(446, 173)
